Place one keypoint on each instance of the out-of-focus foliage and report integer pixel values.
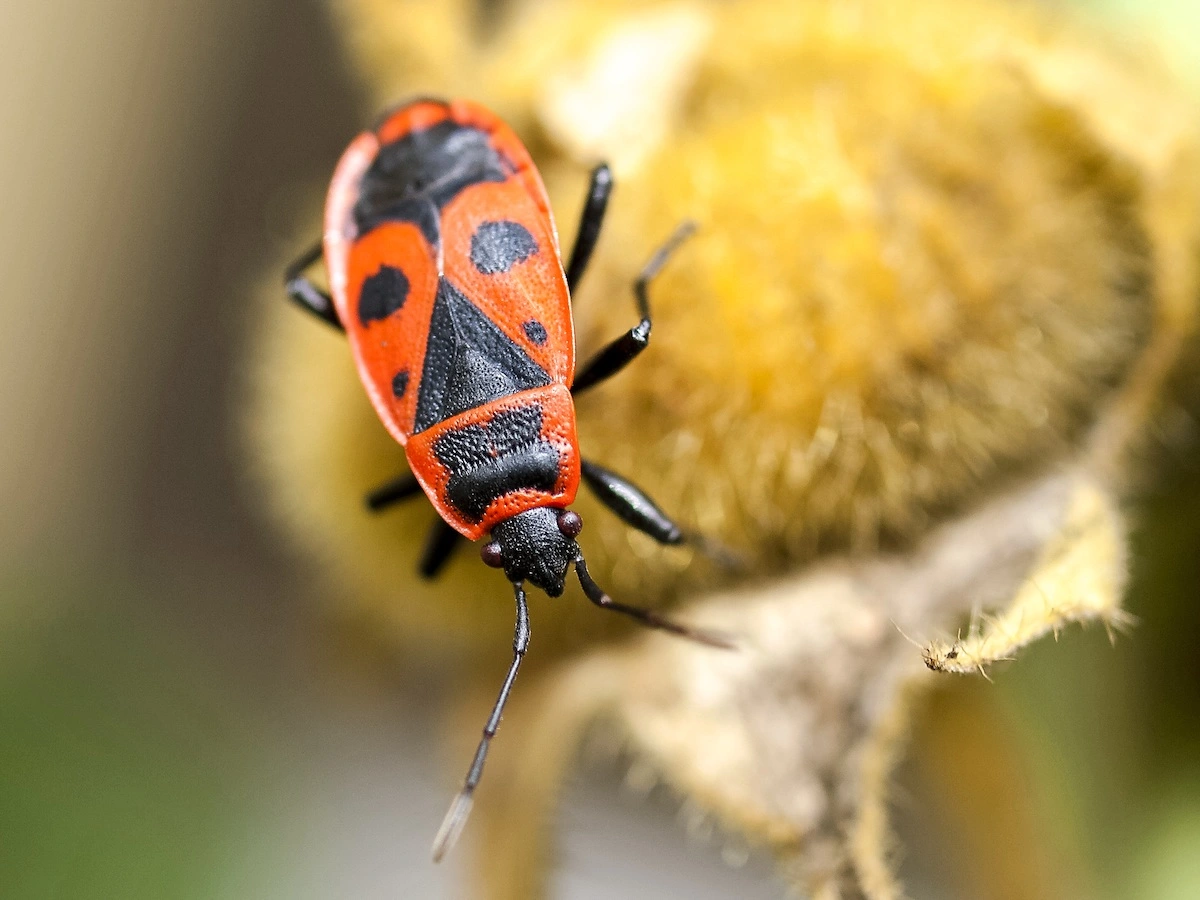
(947, 260)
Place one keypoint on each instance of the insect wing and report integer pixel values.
(391, 284)
(501, 252)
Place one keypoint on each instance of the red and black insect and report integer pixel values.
(445, 273)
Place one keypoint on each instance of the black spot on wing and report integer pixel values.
(469, 361)
(535, 331)
(411, 179)
(400, 383)
(496, 458)
(498, 246)
(382, 294)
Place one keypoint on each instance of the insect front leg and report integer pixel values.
(306, 294)
(621, 352)
(633, 506)
(439, 547)
(442, 540)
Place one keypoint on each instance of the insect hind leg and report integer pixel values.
(590, 222)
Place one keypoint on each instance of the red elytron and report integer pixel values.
(445, 273)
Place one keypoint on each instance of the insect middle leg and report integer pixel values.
(306, 294)
(617, 355)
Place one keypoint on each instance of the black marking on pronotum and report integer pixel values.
(498, 246)
(469, 361)
(400, 383)
(382, 294)
(488, 460)
(535, 331)
(411, 179)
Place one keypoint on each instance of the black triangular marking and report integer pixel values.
(474, 381)
(469, 361)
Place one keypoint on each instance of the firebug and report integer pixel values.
(445, 274)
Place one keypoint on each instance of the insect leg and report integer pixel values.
(631, 504)
(399, 488)
(646, 616)
(460, 807)
(589, 223)
(617, 355)
(635, 507)
(439, 547)
(307, 294)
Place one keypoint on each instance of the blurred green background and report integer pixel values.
(177, 719)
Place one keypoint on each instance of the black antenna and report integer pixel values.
(460, 807)
(646, 616)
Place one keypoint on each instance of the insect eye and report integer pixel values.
(492, 555)
(569, 523)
